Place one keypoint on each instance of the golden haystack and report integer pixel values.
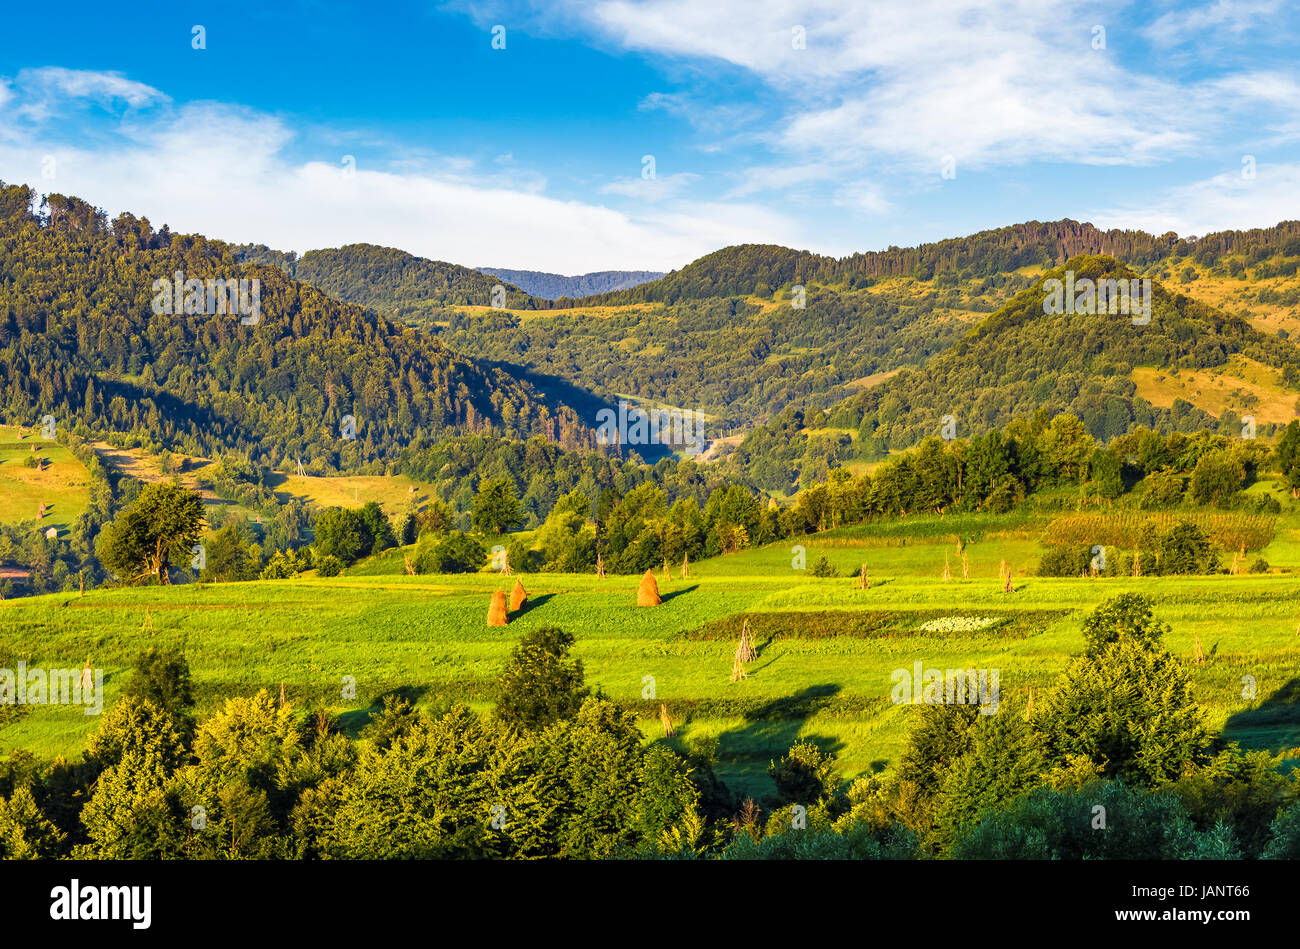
(600, 566)
(497, 609)
(647, 593)
(686, 566)
(863, 582)
(947, 571)
(965, 568)
(1198, 654)
(518, 597)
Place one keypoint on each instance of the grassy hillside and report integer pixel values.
(826, 649)
(62, 484)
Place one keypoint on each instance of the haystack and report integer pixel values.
(863, 582)
(647, 593)
(738, 670)
(667, 722)
(686, 566)
(518, 597)
(497, 609)
(746, 651)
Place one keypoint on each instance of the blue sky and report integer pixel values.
(820, 125)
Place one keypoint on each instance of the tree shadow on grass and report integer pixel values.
(665, 597)
(1272, 726)
(353, 720)
(773, 726)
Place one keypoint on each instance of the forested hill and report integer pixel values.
(79, 340)
(551, 286)
(395, 283)
(1021, 359)
(755, 268)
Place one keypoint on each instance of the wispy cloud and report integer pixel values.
(1260, 197)
(227, 172)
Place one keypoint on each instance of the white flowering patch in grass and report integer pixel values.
(961, 624)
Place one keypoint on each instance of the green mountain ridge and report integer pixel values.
(1017, 361)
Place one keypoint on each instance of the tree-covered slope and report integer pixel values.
(1022, 359)
(391, 281)
(79, 340)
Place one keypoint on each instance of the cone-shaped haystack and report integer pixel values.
(947, 570)
(667, 573)
(686, 566)
(863, 582)
(667, 722)
(497, 609)
(746, 651)
(1198, 654)
(738, 670)
(965, 568)
(85, 674)
(1137, 564)
(1007, 585)
(518, 597)
(648, 593)
(1029, 708)
(600, 566)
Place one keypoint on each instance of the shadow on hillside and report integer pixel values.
(1273, 726)
(560, 391)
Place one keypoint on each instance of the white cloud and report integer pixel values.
(779, 178)
(990, 82)
(38, 93)
(864, 196)
(658, 188)
(1224, 202)
(1210, 21)
(225, 172)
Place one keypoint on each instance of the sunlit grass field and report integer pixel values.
(63, 485)
(826, 649)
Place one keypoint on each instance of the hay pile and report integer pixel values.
(647, 593)
(518, 597)
(497, 609)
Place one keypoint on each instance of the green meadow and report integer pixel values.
(826, 649)
(62, 483)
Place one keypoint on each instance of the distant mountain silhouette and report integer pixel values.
(551, 286)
